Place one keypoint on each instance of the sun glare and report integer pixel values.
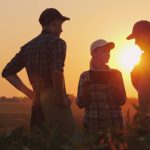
(129, 57)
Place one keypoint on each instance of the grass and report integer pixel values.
(14, 114)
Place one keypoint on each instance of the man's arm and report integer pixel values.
(58, 82)
(58, 57)
(10, 73)
(18, 84)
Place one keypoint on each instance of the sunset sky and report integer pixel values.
(111, 20)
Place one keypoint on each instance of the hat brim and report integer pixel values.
(64, 18)
(131, 36)
(109, 45)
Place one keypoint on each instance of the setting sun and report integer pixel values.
(129, 56)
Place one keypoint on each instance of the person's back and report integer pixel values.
(38, 60)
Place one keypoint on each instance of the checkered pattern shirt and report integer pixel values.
(40, 57)
(102, 108)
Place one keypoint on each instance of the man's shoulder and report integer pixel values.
(49, 39)
(53, 38)
(60, 41)
(31, 42)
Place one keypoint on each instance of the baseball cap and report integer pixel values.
(51, 14)
(101, 43)
(142, 26)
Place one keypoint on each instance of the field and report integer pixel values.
(15, 113)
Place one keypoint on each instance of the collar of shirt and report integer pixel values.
(47, 32)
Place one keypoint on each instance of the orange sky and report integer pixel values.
(90, 20)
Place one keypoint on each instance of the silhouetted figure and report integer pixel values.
(43, 58)
(101, 90)
(140, 75)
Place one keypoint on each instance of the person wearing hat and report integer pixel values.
(101, 90)
(140, 75)
(43, 58)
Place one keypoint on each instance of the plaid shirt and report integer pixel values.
(102, 108)
(40, 57)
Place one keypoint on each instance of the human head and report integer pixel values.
(51, 20)
(100, 50)
(141, 34)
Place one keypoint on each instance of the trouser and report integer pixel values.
(37, 115)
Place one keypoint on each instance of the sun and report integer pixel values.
(129, 56)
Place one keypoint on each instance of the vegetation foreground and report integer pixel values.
(136, 136)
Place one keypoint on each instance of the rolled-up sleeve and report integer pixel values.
(59, 55)
(15, 65)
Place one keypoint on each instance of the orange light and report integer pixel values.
(129, 56)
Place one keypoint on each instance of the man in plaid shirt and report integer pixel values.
(43, 57)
